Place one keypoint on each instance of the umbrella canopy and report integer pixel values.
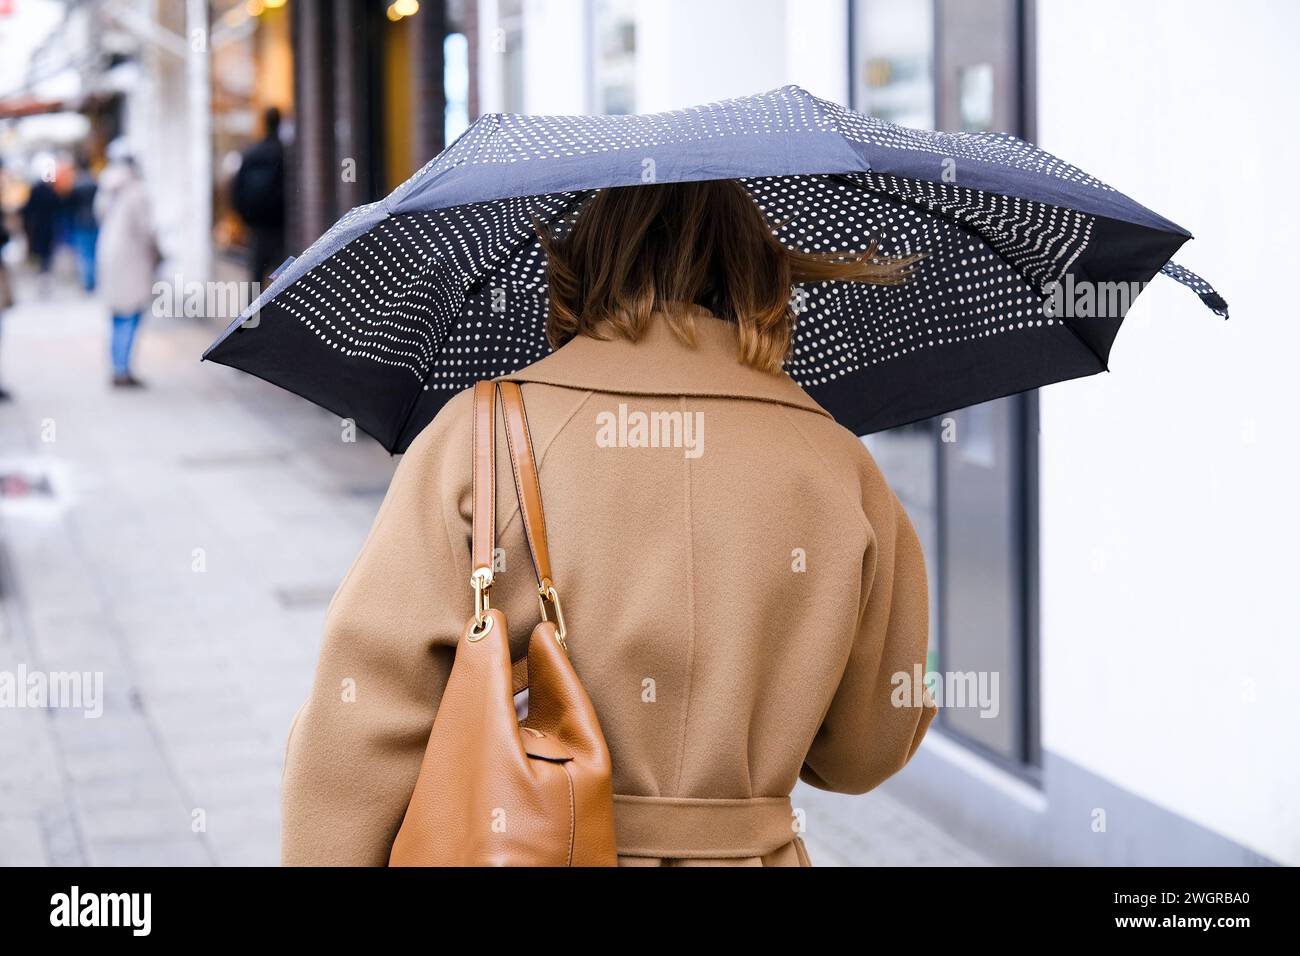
(1030, 264)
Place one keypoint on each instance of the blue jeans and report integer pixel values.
(123, 339)
(84, 239)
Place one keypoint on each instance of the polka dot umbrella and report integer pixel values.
(1030, 265)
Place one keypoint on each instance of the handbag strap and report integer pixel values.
(527, 485)
(528, 489)
(483, 520)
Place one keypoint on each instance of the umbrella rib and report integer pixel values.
(963, 228)
(509, 251)
(449, 271)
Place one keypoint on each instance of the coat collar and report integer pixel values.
(661, 364)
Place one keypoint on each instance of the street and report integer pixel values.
(184, 540)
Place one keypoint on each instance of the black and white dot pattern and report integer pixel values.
(965, 288)
(406, 294)
(453, 296)
(508, 138)
(443, 283)
(1198, 285)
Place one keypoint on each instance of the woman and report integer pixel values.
(126, 257)
(6, 286)
(740, 595)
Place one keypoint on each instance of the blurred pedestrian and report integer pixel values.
(40, 222)
(6, 287)
(85, 229)
(127, 254)
(258, 197)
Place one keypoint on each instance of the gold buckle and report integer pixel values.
(481, 581)
(546, 592)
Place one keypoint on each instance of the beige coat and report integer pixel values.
(126, 253)
(737, 606)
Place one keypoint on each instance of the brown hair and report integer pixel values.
(636, 250)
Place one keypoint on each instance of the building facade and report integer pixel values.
(1135, 718)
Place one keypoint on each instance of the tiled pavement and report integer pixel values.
(191, 537)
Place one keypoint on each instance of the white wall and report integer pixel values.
(688, 52)
(490, 93)
(1171, 606)
(816, 47)
(696, 51)
(157, 124)
(555, 44)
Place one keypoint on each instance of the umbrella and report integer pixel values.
(1030, 264)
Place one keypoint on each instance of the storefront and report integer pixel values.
(969, 480)
(252, 70)
(380, 85)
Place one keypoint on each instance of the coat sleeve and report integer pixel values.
(356, 744)
(874, 724)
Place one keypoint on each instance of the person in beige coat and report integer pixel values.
(126, 256)
(745, 595)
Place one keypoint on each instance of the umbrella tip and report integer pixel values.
(1216, 303)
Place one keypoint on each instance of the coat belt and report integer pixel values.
(698, 828)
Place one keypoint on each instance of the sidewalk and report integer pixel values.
(190, 538)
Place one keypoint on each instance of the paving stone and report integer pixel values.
(21, 842)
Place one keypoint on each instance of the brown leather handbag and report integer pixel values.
(494, 791)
